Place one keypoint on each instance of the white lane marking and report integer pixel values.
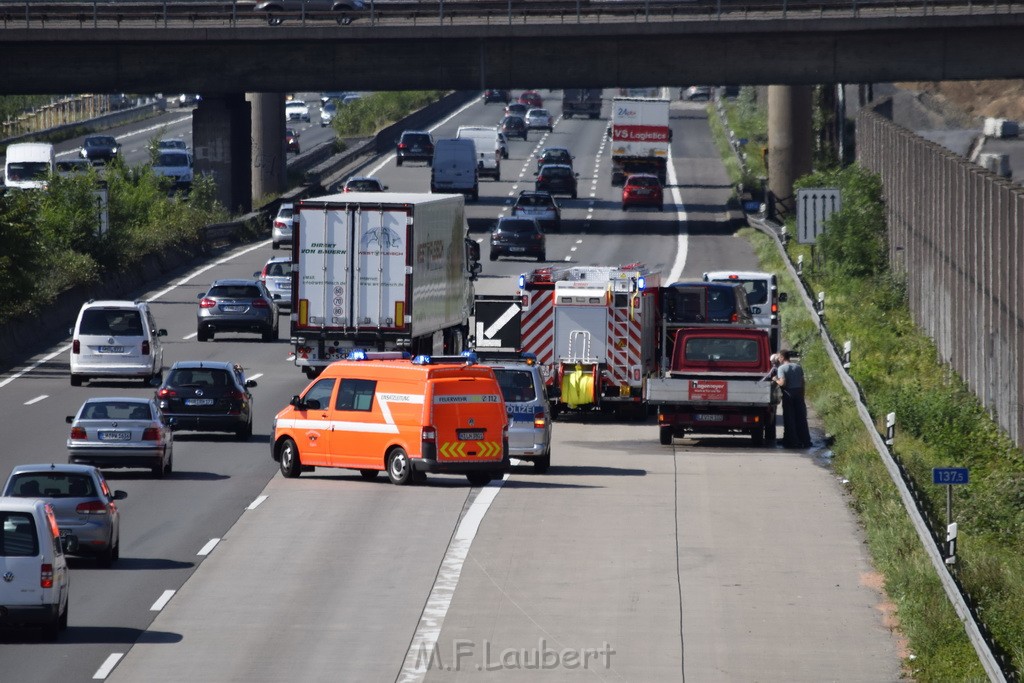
(190, 336)
(429, 629)
(208, 548)
(107, 666)
(209, 266)
(256, 503)
(683, 241)
(579, 241)
(162, 601)
(45, 359)
(37, 399)
(567, 259)
(573, 248)
(389, 158)
(256, 376)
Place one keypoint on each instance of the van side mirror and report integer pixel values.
(69, 419)
(297, 403)
(250, 383)
(69, 544)
(172, 423)
(782, 297)
(120, 495)
(161, 332)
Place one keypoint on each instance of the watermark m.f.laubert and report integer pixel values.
(467, 655)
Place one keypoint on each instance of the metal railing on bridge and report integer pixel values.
(241, 13)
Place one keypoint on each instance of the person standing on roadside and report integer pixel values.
(790, 377)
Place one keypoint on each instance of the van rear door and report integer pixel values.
(469, 415)
(20, 559)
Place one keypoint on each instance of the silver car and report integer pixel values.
(82, 503)
(237, 306)
(539, 118)
(529, 425)
(281, 233)
(343, 11)
(124, 431)
(276, 276)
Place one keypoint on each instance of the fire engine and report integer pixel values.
(594, 330)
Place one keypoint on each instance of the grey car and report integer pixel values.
(121, 431)
(281, 233)
(343, 11)
(82, 503)
(237, 306)
(522, 387)
(276, 276)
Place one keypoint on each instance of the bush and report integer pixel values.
(369, 114)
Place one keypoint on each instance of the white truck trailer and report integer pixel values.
(640, 137)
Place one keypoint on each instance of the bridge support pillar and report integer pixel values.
(223, 147)
(269, 153)
(790, 135)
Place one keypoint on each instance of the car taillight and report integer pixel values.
(145, 347)
(92, 507)
(76, 346)
(538, 237)
(260, 303)
(236, 395)
(166, 393)
(541, 179)
(151, 434)
(402, 145)
(78, 433)
(278, 224)
(538, 418)
(429, 435)
(207, 303)
(46, 576)
(775, 308)
(734, 318)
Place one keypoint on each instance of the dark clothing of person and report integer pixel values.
(794, 411)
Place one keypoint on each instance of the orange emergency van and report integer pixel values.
(384, 412)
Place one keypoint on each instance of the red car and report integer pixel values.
(643, 189)
(532, 98)
(292, 138)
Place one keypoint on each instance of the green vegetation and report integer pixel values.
(50, 237)
(748, 121)
(369, 114)
(13, 105)
(940, 423)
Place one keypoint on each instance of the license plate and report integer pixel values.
(284, 285)
(199, 401)
(643, 193)
(110, 349)
(517, 248)
(115, 436)
(708, 417)
(232, 309)
(470, 434)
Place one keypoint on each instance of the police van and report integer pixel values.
(384, 412)
(522, 387)
(763, 296)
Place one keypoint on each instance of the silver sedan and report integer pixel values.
(121, 431)
(539, 118)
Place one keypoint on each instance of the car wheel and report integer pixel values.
(169, 467)
(541, 464)
(245, 432)
(399, 467)
(430, 163)
(369, 475)
(665, 436)
(541, 257)
(203, 335)
(158, 469)
(52, 630)
(573, 195)
(273, 21)
(345, 20)
(106, 556)
(291, 465)
(551, 129)
(494, 257)
(625, 207)
(398, 161)
(270, 335)
(76, 380)
(116, 554)
(479, 478)
(62, 620)
(275, 245)
(497, 174)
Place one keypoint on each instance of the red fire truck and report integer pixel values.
(594, 330)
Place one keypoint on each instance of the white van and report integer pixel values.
(36, 583)
(488, 148)
(763, 295)
(116, 339)
(28, 164)
(454, 168)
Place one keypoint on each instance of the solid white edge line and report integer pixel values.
(45, 359)
(441, 593)
(190, 336)
(108, 665)
(208, 548)
(256, 503)
(682, 241)
(162, 601)
(37, 399)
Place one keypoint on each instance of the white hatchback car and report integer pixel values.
(36, 583)
(175, 164)
(116, 339)
(296, 110)
(539, 118)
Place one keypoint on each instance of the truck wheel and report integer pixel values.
(291, 465)
(665, 436)
(478, 478)
(541, 464)
(399, 467)
(566, 114)
(757, 436)
(398, 161)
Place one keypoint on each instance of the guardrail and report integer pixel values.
(241, 13)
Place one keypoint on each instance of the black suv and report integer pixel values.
(557, 179)
(98, 148)
(207, 396)
(514, 127)
(414, 145)
(502, 96)
(554, 155)
(706, 302)
(517, 237)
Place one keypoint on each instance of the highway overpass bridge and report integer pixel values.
(224, 50)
